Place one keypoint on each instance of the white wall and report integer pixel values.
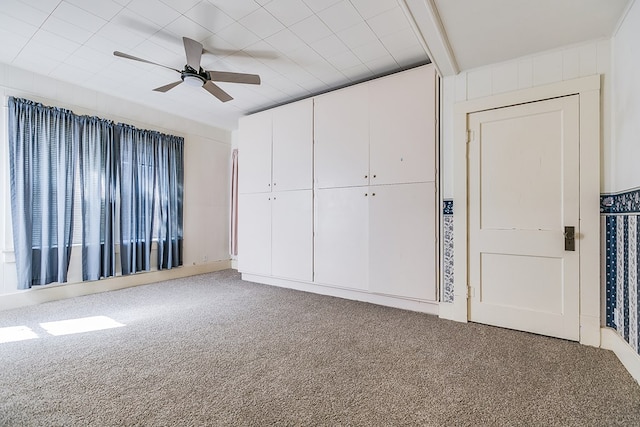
(531, 71)
(206, 153)
(625, 173)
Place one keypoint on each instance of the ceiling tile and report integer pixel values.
(185, 27)
(105, 9)
(33, 60)
(154, 10)
(78, 17)
(56, 41)
(238, 36)
(209, 16)
(371, 8)
(122, 37)
(318, 5)
(236, 9)
(305, 57)
(261, 23)
(288, 11)
(181, 5)
(311, 29)
(285, 41)
(340, 16)
(370, 51)
(133, 22)
(388, 22)
(46, 6)
(357, 73)
(329, 46)
(357, 35)
(410, 56)
(327, 73)
(344, 60)
(67, 30)
(11, 45)
(399, 41)
(17, 27)
(382, 65)
(24, 12)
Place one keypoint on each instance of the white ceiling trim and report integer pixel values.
(426, 20)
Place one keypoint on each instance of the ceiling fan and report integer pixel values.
(194, 75)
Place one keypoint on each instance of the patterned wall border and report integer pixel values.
(447, 253)
(621, 203)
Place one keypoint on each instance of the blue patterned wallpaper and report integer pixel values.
(447, 253)
(619, 216)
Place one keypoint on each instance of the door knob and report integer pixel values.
(569, 238)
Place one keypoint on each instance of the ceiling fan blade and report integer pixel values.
(225, 76)
(135, 58)
(217, 91)
(167, 87)
(193, 49)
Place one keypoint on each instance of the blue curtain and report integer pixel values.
(170, 179)
(139, 170)
(98, 179)
(43, 148)
(151, 182)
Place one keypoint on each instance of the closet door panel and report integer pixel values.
(292, 235)
(341, 237)
(403, 128)
(402, 250)
(293, 146)
(341, 133)
(254, 233)
(254, 153)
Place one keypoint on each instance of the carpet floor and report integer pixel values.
(213, 350)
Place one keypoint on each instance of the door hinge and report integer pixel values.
(470, 135)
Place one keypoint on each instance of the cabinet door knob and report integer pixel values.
(373, 194)
(366, 176)
(365, 194)
(374, 176)
(274, 184)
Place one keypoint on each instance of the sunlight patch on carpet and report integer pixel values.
(16, 333)
(83, 324)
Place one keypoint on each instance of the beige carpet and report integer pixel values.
(212, 350)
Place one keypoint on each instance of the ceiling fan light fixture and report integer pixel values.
(193, 81)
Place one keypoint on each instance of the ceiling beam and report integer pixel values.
(426, 19)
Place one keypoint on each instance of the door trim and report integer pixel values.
(588, 89)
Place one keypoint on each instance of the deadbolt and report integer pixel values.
(570, 238)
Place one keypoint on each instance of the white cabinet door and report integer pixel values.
(402, 249)
(292, 235)
(341, 132)
(402, 117)
(254, 233)
(254, 153)
(293, 146)
(342, 237)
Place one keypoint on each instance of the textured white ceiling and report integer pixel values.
(489, 31)
(298, 47)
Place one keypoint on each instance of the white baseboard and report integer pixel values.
(429, 307)
(610, 340)
(70, 290)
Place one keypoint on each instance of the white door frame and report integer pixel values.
(588, 88)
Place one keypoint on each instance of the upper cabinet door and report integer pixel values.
(342, 138)
(293, 146)
(254, 153)
(403, 127)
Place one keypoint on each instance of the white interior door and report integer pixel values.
(523, 192)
